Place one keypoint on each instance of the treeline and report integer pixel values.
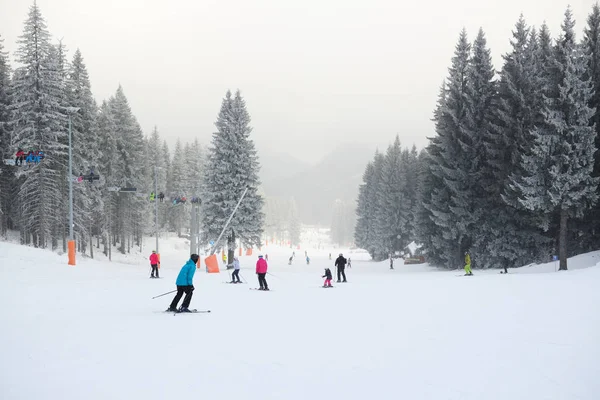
(511, 174)
(282, 222)
(36, 101)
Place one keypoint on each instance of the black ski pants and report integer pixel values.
(262, 281)
(188, 290)
(341, 273)
(154, 270)
(235, 277)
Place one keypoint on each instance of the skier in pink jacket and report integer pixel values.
(261, 271)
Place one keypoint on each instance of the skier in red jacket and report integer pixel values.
(261, 271)
(154, 264)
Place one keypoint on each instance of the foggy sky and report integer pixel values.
(315, 73)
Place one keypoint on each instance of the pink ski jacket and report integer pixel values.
(261, 266)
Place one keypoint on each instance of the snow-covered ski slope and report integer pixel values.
(93, 332)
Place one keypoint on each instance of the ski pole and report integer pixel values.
(244, 279)
(164, 294)
(273, 275)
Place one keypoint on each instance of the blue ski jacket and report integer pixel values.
(186, 275)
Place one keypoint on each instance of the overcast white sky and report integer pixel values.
(315, 73)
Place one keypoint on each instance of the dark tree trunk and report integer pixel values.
(562, 243)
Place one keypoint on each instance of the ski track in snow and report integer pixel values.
(93, 332)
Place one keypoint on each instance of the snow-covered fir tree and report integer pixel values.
(510, 236)
(179, 188)
(232, 166)
(451, 158)
(88, 201)
(591, 43)
(363, 209)
(561, 163)
(393, 216)
(7, 187)
(410, 159)
(39, 123)
(127, 171)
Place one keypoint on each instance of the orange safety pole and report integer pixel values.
(71, 247)
(158, 254)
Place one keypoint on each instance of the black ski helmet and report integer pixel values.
(195, 258)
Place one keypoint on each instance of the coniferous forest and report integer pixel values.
(511, 173)
(48, 92)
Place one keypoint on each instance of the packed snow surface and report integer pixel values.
(93, 332)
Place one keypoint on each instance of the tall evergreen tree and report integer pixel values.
(562, 160)
(86, 150)
(179, 188)
(232, 166)
(39, 123)
(128, 170)
(512, 237)
(108, 160)
(591, 44)
(6, 174)
(451, 157)
(393, 216)
(364, 209)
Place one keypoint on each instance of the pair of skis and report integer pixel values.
(194, 311)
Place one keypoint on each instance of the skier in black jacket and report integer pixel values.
(340, 263)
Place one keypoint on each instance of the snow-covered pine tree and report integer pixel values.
(39, 123)
(7, 180)
(562, 159)
(163, 216)
(412, 167)
(179, 188)
(88, 201)
(366, 232)
(194, 159)
(451, 158)
(158, 160)
(232, 166)
(393, 215)
(128, 170)
(591, 43)
(364, 219)
(510, 236)
(427, 233)
(107, 160)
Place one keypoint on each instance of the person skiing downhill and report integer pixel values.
(340, 263)
(349, 263)
(261, 271)
(235, 276)
(327, 277)
(154, 264)
(468, 264)
(185, 284)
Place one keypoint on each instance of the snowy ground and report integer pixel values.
(93, 332)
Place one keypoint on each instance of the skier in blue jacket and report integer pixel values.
(185, 285)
